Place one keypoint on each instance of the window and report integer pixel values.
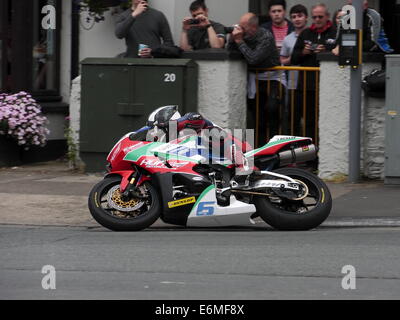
(30, 41)
(5, 41)
(44, 46)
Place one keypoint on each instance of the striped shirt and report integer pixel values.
(279, 34)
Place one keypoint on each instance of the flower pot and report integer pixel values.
(10, 152)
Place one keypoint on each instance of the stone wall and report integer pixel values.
(335, 120)
(374, 138)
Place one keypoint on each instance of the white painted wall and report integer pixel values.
(100, 40)
(222, 92)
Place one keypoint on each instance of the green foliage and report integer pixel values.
(72, 153)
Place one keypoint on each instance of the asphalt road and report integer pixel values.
(164, 263)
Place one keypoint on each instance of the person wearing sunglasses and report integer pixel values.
(319, 37)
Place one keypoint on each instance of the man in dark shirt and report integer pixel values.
(256, 44)
(319, 37)
(203, 34)
(143, 25)
(258, 48)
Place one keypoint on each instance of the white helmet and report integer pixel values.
(163, 114)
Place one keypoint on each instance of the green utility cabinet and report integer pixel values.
(392, 120)
(118, 95)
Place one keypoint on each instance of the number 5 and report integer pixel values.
(205, 208)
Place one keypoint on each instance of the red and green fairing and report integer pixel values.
(275, 145)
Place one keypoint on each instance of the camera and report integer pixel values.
(314, 46)
(230, 29)
(194, 21)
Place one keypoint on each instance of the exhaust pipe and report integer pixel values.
(301, 154)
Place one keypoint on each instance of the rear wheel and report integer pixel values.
(112, 211)
(303, 213)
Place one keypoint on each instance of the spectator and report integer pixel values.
(337, 23)
(320, 37)
(258, 47)
(298, 16)
(279, 26)
(202, 35)
(374, 37)
(336, 19)
(141, 24)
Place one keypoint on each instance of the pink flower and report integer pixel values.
(21, 118)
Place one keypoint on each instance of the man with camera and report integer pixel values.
(319, 37)
(198, 32)
(258, 47)
(144, 29)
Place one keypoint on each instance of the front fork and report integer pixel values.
(130, 180)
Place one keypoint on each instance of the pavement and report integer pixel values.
(52, 194)
(159, 264)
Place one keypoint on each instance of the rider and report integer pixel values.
(218, 140)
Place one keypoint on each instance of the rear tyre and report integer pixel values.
(109, 210)
(306, 214)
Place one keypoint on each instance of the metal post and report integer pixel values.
(355, 107)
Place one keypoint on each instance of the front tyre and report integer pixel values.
(304, 214)
(110, 210)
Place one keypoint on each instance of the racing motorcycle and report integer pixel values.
(176, 181)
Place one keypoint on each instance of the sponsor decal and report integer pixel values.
(306, 148)
(197, 178)
(280, 138)
(153, 163)
(176, 164)
(114, 154)
(135, 146)
(181, 202)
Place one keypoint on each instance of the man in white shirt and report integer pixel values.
(298, 16)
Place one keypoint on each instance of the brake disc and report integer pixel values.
(115, 201)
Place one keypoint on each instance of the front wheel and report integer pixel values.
(304, 214)
(112, 211)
